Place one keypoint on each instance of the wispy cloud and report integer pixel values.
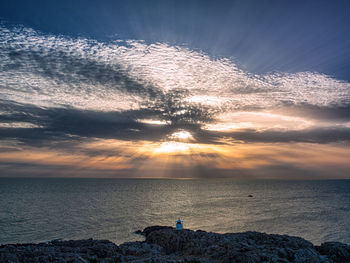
(84, 73)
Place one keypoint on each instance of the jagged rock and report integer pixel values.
(165, 244)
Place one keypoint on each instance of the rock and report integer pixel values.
(60, 251)
(168, 239)
(138, 232)
(150, 229)
(165, 244)
(335, 251)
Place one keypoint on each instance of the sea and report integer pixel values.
(36, 210)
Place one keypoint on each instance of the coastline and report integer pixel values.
(165, 244)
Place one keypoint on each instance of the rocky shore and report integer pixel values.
(165, 244)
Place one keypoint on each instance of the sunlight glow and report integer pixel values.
(182, 135)
(155, 122)
(259, 121)
(171, 147)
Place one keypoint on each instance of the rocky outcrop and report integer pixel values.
(236, 247)
(61, 251)
(165, 244)
(335, 251)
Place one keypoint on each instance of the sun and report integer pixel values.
(181, 135)
(178, 142)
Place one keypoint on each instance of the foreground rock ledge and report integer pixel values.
(165, 244)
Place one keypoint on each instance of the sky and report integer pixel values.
(175, 89)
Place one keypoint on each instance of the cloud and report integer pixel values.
(319, 135)
(61, 93)
(329, 113)
(92, 89)
(51, 123)
(84, 73)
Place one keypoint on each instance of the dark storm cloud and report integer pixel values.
(316, 135)
(72, 124)
(64, 123)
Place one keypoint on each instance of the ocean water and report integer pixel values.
(33, 210)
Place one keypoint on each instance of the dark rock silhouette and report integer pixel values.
(165, 244)
(335, 251)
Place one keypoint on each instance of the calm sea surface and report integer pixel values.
(33, 210)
